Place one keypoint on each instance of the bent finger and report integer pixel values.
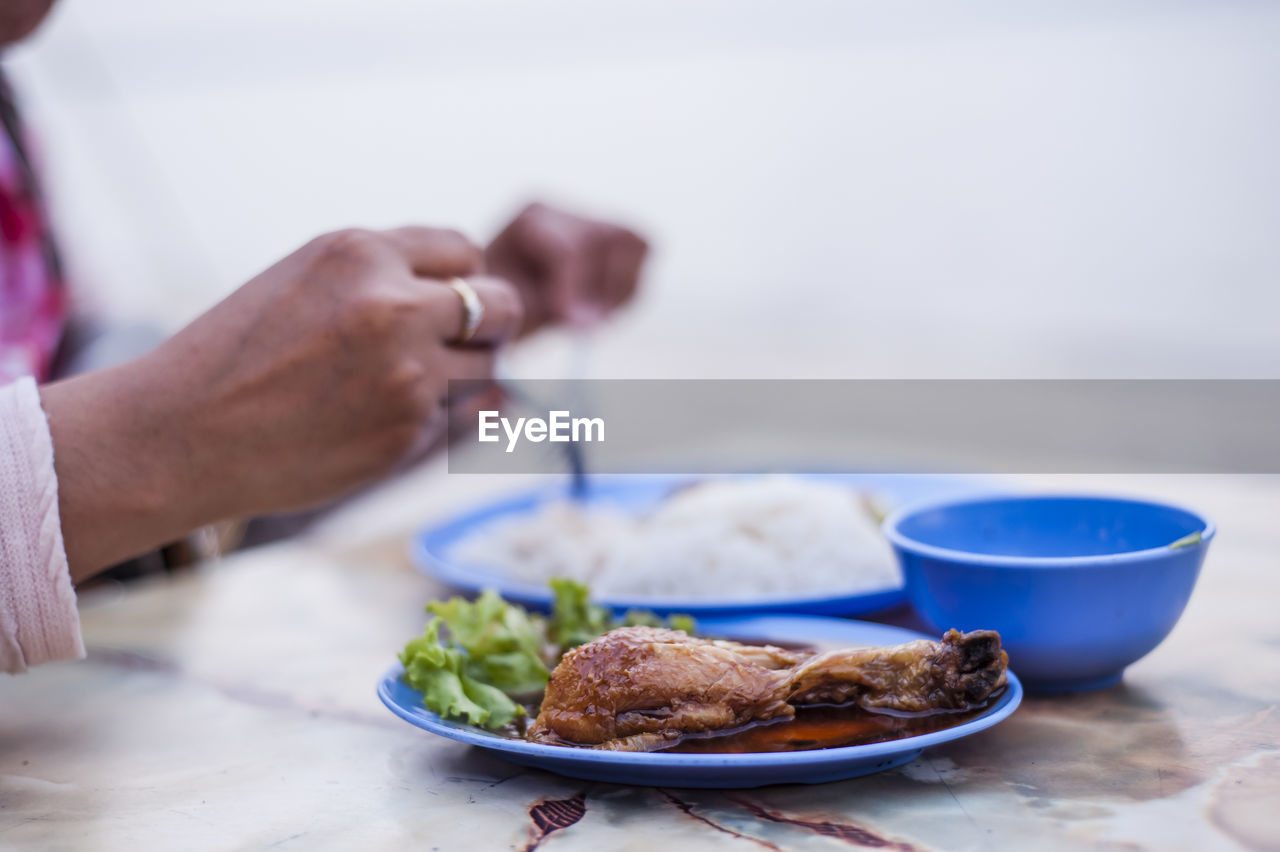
(622, 267)
(435, 252)
(501, 312)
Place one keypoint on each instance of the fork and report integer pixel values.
(575, 373)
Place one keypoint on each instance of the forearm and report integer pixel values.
(125, 479)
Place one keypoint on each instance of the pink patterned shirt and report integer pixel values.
(33, 301)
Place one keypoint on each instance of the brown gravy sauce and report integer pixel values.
(825, 727)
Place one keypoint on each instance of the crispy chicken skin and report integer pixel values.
(637, 688)
(642, 688)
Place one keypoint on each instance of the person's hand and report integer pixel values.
(315, 377)
(568, 269)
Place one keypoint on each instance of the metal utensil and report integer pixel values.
(575, 373)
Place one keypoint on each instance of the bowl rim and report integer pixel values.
(900, 540)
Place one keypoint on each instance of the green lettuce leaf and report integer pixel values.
(501, 709)
(574, 619)
(439, 673)
(641, 618)
(503, 642)
(683, 622)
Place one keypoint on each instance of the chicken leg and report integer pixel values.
(643, 688)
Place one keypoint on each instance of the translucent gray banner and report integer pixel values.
(973, 426)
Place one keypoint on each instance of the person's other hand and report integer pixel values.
(568, 269)
(315, 377)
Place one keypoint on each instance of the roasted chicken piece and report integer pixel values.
(957, 673)
(644, 688)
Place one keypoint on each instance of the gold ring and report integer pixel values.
(472, 309)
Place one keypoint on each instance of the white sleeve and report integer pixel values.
(38, 618)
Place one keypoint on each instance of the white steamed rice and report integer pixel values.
(730, 539)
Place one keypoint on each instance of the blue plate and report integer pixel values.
(433, 549)
(716, 770)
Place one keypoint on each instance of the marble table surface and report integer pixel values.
(233, 707)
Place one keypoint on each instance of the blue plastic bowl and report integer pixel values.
(1079, 587)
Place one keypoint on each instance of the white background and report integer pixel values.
(832, 188)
